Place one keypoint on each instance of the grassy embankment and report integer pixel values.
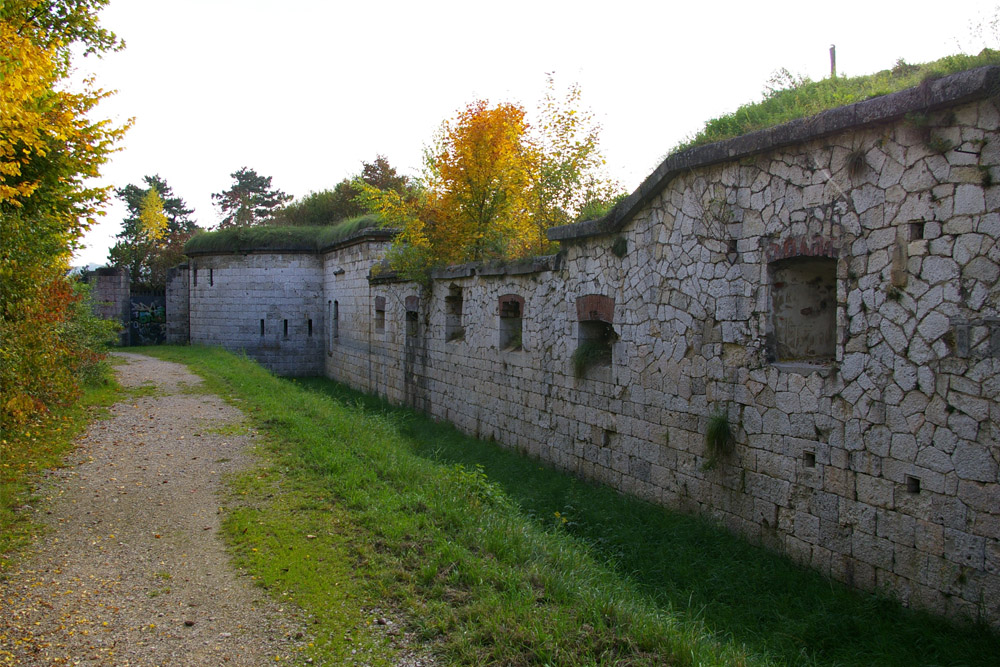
(794, 98)
(363, 511)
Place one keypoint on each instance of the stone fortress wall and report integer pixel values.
(831, 286)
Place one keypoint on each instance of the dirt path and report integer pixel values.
(133, 571)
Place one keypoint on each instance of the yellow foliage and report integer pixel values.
(493, 185)
(152, 219)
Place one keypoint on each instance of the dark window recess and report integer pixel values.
(195, 277)
(336, 320)
(511, 322)
(803, 323)
(916, 230)
(309, 324)
(211, 277)
(379, 314)
(453, 303)
(912, 484)
(286, 328)
(262, 327)
(595, 333)
(594, 341)
(809, 459)
(412, 320)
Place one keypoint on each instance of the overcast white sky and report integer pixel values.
(305, 90)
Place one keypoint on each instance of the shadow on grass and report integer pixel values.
(683, 563)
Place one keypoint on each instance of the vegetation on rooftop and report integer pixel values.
(246, 239)
(788, 97)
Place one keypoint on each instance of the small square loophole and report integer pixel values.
(809, 459)
(916, 230)
(912, 484)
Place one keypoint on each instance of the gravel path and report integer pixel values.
(132, 570)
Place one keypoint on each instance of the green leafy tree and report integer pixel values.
(51, 148)
(250, 201)
(147, 245)
(331, 206)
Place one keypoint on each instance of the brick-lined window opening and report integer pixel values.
(803, 309)
(262, 327)
(285, 328)
(511, 310)
(412, 304)
(379, 314)
(211, 277)
(453, 329)
(595, 332)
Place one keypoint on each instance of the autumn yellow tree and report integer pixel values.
(493, 184)
(49, 149)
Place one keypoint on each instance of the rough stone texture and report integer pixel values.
(232, 295)
(178, 305)
(109, 293)
(875, 462)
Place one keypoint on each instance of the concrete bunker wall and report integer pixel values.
(867, 445)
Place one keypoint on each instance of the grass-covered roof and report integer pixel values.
(807, 98)
(278, 238)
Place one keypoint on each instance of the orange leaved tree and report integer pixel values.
(493, 184)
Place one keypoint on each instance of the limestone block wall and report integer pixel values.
(178, 305)
(873, 459)
(830, 287)
(348, 335)
(837, 300)
(109, 293)
(269, 306)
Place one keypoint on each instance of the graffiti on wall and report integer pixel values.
(147, 319)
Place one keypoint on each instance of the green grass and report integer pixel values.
(310, 238)
(807, 98)
(39, 446)
(493, 558)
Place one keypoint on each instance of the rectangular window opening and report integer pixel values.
(453, 303)
(195, 277)
(809, 459)
(262, 327)
(379, 314)
(511, 323)
(336, 320)
(912, 484)
(803, 324)
(286, 328)
(917, 230)
(211, 277)
(594, 343)
(309, 324)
